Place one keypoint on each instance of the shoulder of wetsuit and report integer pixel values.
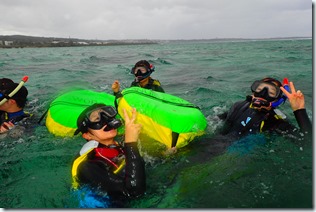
(134, 83)
(16, 119)
(156, 82)
(156, 86)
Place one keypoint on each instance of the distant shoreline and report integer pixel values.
(22, 41)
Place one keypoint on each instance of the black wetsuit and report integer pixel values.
(152, 85)
(13, 117)
(238, 125)
(21, 121)
(129, 182)
(242, 120)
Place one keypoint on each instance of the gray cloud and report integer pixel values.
(157, 19)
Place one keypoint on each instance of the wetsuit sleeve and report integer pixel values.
(284, 127)
(156, 86)
(117, 94)
(303, 121)
(2, 118)
(135, 178)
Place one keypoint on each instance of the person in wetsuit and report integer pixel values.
(258, 112)
(142, 71)
(12, 109)
(105, 164)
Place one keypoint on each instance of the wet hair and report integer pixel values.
(4, 82)
(272, 80)
(142, 63)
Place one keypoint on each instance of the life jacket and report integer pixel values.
(112, 157)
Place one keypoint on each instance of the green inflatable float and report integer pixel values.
(168, 119)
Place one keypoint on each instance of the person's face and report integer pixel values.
(7, 105)
(143, 70)
(272, 91)
(99, 135)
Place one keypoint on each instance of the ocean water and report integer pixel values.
(257, 172)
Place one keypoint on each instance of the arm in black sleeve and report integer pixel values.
(117, 94)
(284, 127)
(303, 121)
(135, 178)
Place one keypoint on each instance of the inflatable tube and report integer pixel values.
(162, 115)
(64, 111)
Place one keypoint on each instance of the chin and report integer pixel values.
(113, 131)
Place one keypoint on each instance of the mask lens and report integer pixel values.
(140, 70)
(109, 111)
(273, 91)
(99, 117)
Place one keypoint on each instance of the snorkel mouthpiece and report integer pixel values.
(24, 80)
(114, 124)
(284, 97)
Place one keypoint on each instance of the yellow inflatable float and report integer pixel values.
(165, 118)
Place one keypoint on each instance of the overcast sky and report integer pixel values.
(156, 19)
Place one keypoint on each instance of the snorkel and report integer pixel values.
(284, 97)
(24, 80)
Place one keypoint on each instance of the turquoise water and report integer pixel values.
(273, 173)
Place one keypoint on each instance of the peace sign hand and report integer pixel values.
(296, 98)
(132, 130)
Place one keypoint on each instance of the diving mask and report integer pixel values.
(266, 90)
(142, 70)
(99, 117)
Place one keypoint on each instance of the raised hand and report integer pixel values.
(296, 98)
(116, 86)
(132, 130)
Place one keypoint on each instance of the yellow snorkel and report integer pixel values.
(24, 79)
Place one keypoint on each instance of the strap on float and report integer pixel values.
(39, 121)
(175, 137)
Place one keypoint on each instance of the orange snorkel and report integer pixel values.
(24, 80)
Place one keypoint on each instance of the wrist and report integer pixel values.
(130, 141)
